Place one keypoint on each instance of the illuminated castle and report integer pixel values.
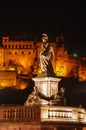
(23, 56)
(15, 55)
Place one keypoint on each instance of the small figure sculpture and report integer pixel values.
(58, 98)
(33, 98)
(63, 99)
(46, 57)
(36, 98)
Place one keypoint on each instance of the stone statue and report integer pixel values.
(46, 57)
(46, 89)
(36, 98)
(58, 98)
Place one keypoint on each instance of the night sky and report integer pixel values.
(53, 18)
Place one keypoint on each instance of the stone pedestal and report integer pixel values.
(46, 92)
(47, 85)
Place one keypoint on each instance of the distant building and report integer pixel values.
(23, 56)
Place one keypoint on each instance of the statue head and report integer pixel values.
(44, 37)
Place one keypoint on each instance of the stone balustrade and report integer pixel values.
(20, 113)
(63, 114)
(42, 114)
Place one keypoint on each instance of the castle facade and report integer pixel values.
(24, 56)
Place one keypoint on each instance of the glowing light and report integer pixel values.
(23, 86)
(60, 71)
(39, 71)
(11, 68)
(75, 54)
(19, 71)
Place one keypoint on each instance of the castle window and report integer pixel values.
(12, 46)
(19, 46)
(19, 128)
(5, 46)
(16, 46)
(5, 40)
(29, 52)
(26, 46)
(22, 52)
(8, 46)
(10, 62)
(16, 53)
(30, 45)
(23, 46)
(9, 53)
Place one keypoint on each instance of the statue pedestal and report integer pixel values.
(46, 92)
(47, 85)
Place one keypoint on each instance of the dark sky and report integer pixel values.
(53, 18)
